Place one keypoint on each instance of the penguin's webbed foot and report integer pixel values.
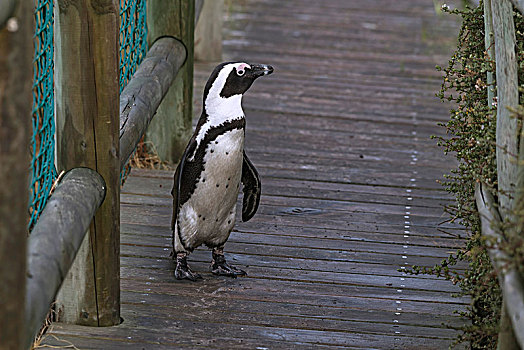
(220, 267)
(182, 270)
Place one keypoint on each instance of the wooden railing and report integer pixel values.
(500, 44)
(69, 252)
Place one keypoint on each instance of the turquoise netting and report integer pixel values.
(43, 170)
(133, 45)
(133, 37)
(133, 48)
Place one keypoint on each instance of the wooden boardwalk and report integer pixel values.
(341, 137)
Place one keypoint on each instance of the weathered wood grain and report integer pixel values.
(86, 99)
(55, 241)
(15, 124)
(171, 128)
(507, 97)
(489, 43)
(512, 320)
(145, 91)
(510, 172)
(340, 134)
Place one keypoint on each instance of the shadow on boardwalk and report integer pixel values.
(340, 136)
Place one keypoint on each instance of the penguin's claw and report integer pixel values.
(182, 271)
(186, 274)
(220, 267)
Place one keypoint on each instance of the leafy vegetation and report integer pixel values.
(471, 138)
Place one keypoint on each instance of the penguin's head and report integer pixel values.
(234, 78)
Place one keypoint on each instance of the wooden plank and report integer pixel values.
(304, 293)
(236, 249)
(278, 188)
(304, 243)
(325, 278)
(138, 258)
(224, 333)
(103, 343)
(56, 239)
(422, 239)
(304, 215)
(296, 191)
(86, 82)
(371, 191)
(171, 128)
(291, 223)
(15, 114)
(257, 317)
(360, 310)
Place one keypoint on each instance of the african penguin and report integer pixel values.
(207, 179)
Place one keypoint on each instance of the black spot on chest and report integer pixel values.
(192, 171)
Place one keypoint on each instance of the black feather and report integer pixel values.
(252, 188)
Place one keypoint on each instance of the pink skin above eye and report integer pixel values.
(242, 67)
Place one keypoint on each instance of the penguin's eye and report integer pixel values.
(241, 72)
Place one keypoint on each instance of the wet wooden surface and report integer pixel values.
(340, 134)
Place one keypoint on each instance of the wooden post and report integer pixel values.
(16, 52)
(489, 42)
(507, 97)
(171, 128)
(208, 32)
(87, 106)
(509, 172)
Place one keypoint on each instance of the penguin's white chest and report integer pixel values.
(209, 215)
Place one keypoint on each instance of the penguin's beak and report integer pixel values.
(261, 70)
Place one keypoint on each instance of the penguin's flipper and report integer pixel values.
(174, 192)
(178, 190)
(251, 189)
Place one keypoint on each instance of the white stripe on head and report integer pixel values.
(221, 109)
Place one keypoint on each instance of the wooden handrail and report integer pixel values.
(508, 275)
(55, 240)
(146, 89)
